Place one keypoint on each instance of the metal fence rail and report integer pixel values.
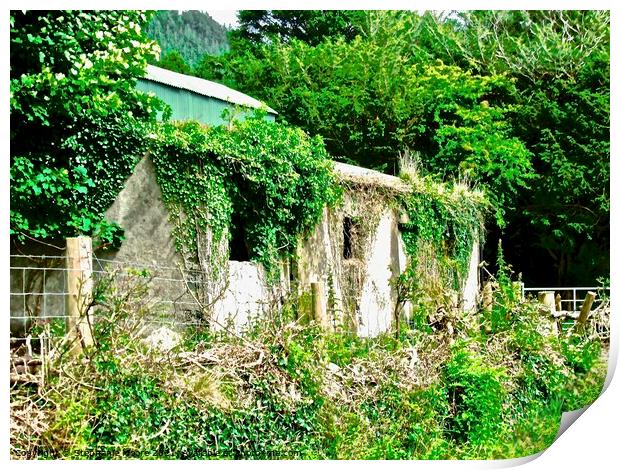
(571, 296)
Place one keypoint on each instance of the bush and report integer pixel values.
(476, 396)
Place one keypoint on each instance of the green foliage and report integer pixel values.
(568, 125)
(514, 103)
(506, 297)
(193, 185)
(310, 26)
(174, 61)
(449, 216)
(72, 85)
(531, 45)
(476, 395)
(371, 98)
(515, 100)
(560, 60)
(444, 222)
(274, 178)
(77, 91)
(131, 407)
(190, 33)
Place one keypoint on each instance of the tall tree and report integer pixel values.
(309, 26)
(174, 61)
(560, 61)
(190, 33)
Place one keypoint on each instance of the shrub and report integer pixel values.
(476, 396)
(286, 390)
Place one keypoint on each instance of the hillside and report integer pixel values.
(192, 33)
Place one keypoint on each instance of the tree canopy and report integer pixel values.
(310, 26)
(516, 101)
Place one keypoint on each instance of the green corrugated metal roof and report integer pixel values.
(202, 87)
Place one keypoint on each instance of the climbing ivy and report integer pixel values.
(78, 124)
(274, 178)
(449, 216)
(443, 222)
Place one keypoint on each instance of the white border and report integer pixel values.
(591, 443)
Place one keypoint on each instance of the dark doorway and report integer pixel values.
(238, 245)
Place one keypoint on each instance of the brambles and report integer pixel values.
(292, 391)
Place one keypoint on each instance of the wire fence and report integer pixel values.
(180, 298)
(39, 291)
(177, 298)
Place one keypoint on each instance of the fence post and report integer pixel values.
(547, 298)
(79, 263)
(585, 310)
(558, 309)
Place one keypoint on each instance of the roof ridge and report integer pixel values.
(203, 87)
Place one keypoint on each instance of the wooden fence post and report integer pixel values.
(79, 263)
(547, 298)
(318, 312)
(585, 310)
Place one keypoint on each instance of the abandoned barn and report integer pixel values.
(348, 264)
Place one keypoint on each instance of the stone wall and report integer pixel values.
(358, 293)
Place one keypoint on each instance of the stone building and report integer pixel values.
(351, 259)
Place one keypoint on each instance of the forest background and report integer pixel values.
(513, 101)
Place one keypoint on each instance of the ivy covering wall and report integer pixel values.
(272, 181)
(443, 223)
(447, 217)
(274, 178)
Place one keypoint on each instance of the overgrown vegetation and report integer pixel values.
(515, 100)
(73, 76)
(449, 216)
(75, 87)
(275, 179)
(441, 224)
(285, 390)
(490, 384)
